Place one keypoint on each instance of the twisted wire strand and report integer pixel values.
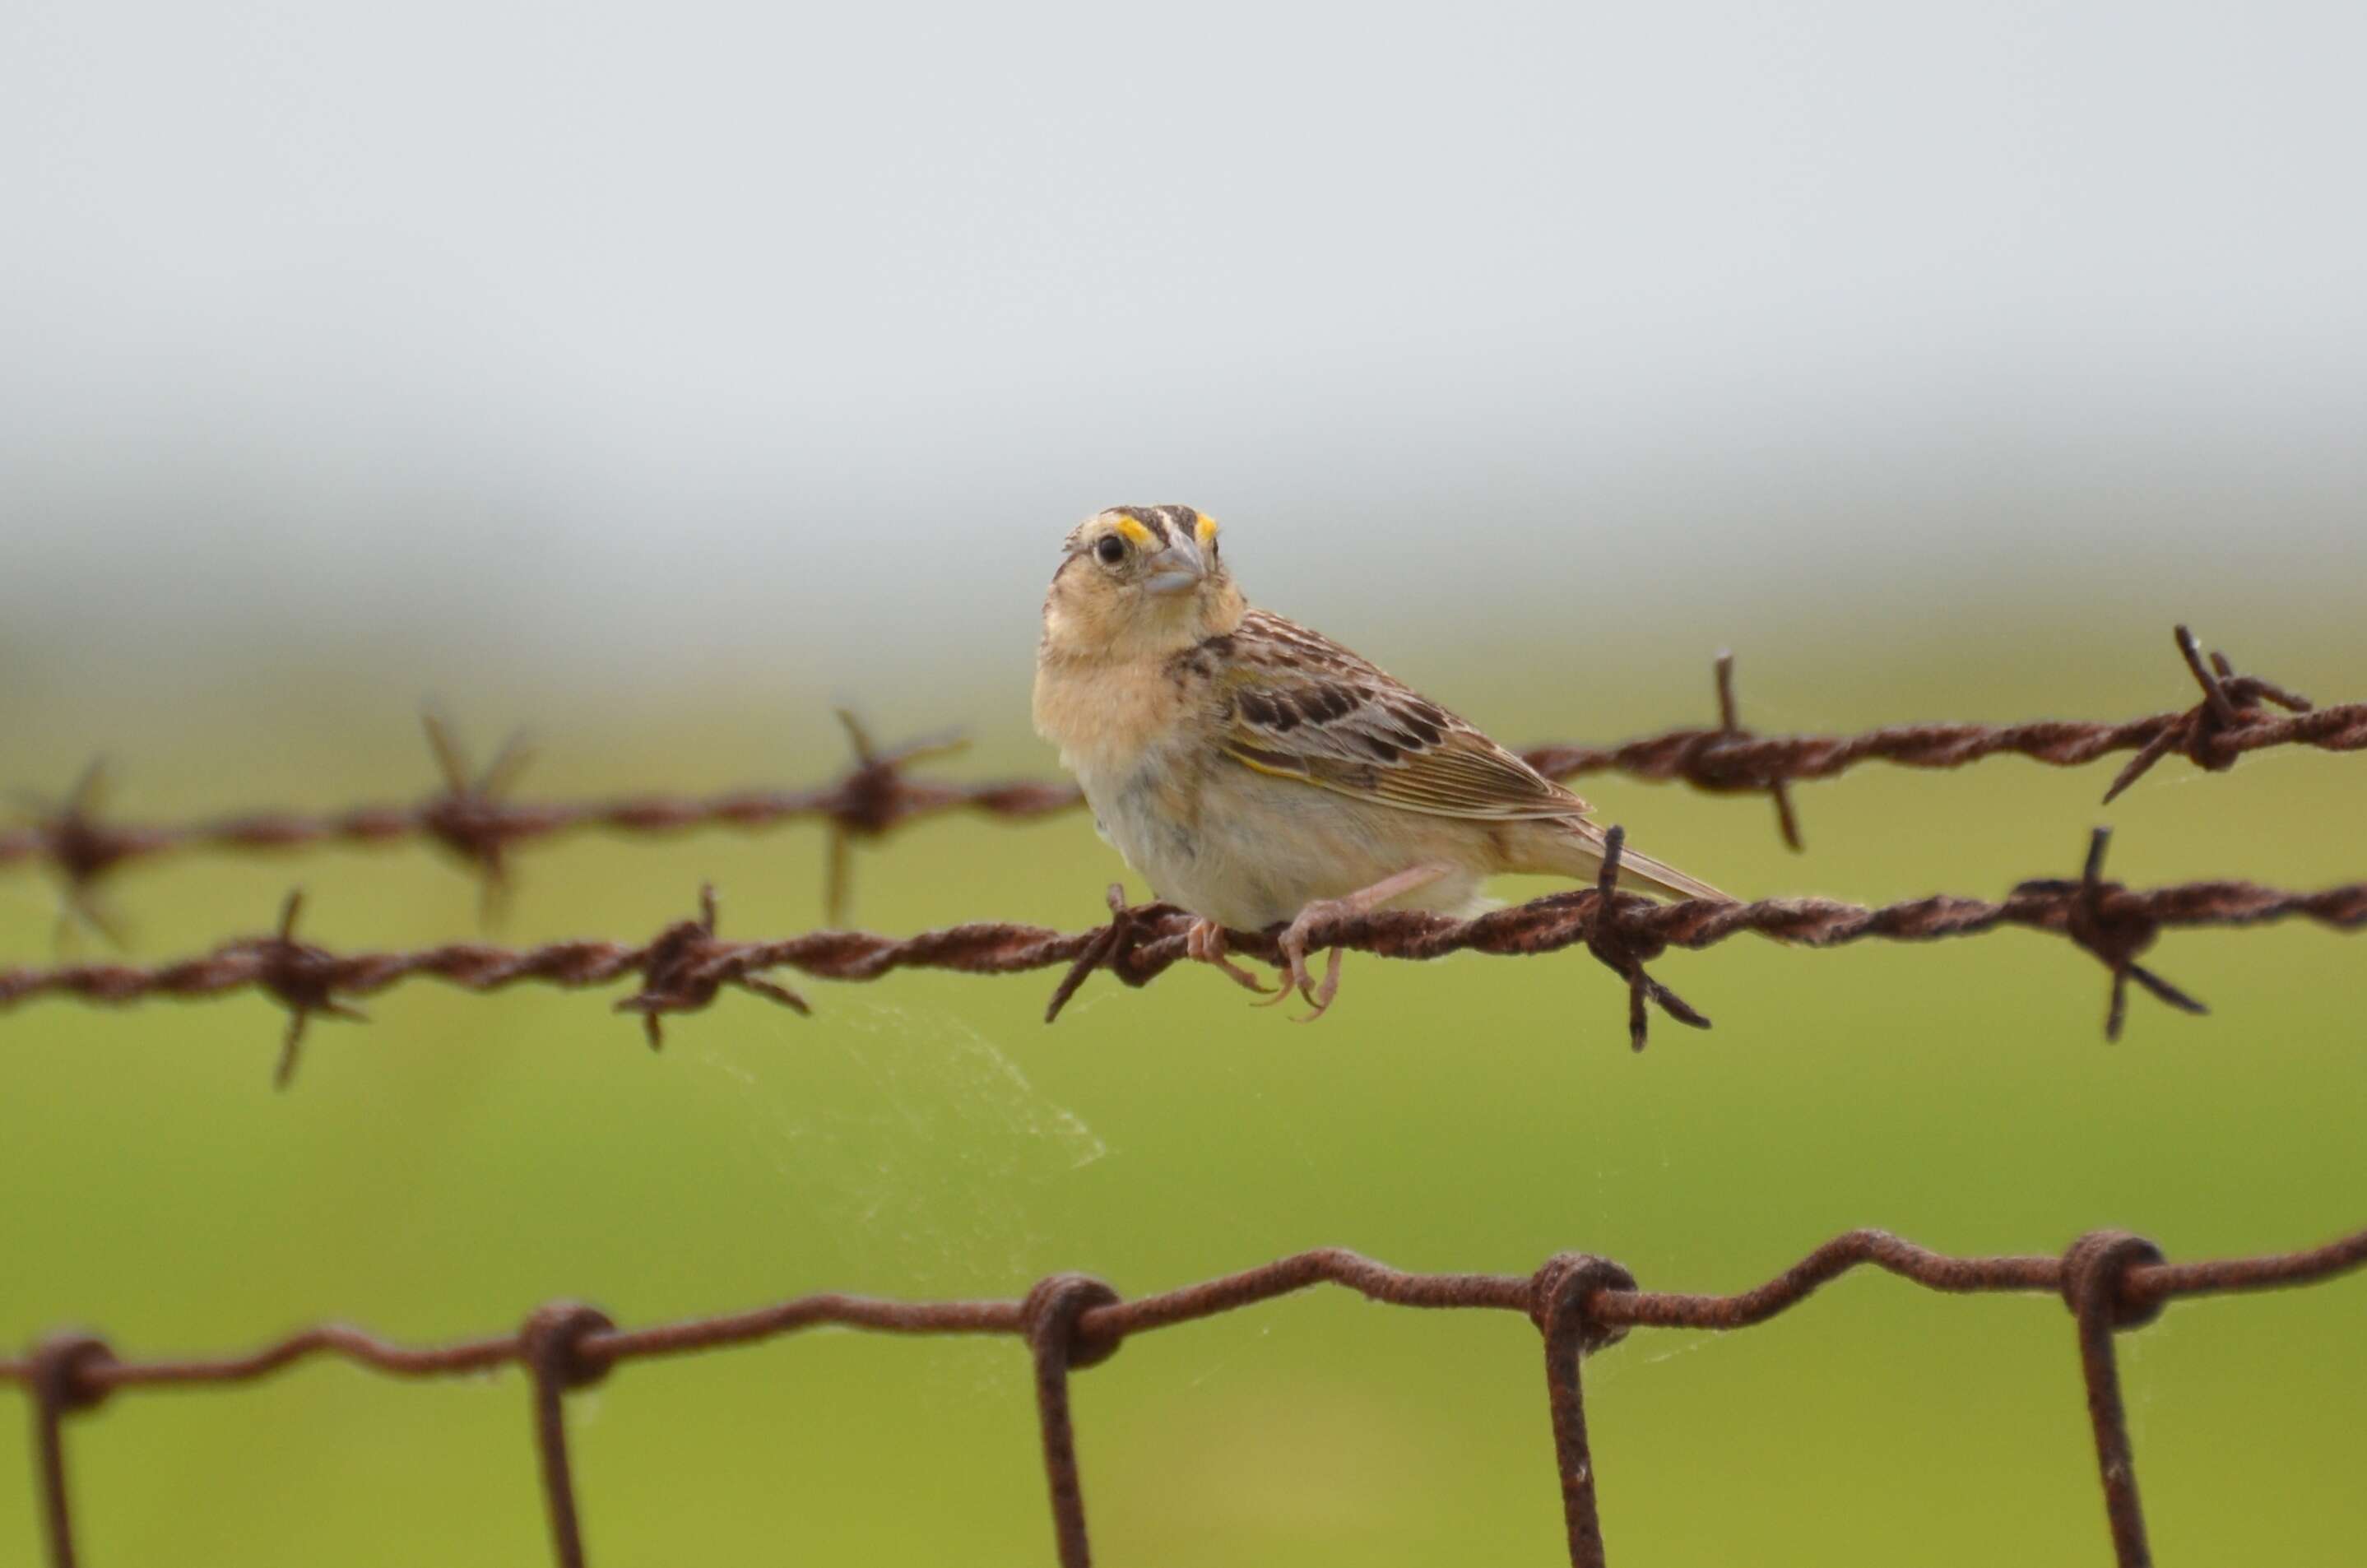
(1547, 924)
(472, 817)
(523, 821)
(2062, 743)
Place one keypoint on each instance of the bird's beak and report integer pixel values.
(1178, 569)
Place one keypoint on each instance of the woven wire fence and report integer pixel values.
(2111, 1282)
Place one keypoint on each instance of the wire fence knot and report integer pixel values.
(59, 1371)
(1565, 1297)
(551, 1343)
(1566, 1287)
(61, 1377)
(2095, 1275)
(684, 969)
(1049, 1316)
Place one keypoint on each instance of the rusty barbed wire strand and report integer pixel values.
(474, 820)
(688, 965)
(2111, 1282)
(2233, 718)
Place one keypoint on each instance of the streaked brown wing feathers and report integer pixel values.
(1300, 705)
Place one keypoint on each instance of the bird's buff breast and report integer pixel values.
(1212, 836)
(1248, 852)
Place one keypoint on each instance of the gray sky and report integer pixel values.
(679, 335)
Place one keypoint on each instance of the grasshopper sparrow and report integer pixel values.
(1255, 773)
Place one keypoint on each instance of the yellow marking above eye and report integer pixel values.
(1137, 532)
(1204, 527)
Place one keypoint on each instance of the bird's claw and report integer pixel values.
(1295, 975)
(1205, 942)
(1321, 997)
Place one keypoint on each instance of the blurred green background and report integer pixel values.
(458, 1159)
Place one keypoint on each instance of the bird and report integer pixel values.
(1256, 773)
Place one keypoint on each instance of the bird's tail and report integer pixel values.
(1579, 852)
(1641, 873)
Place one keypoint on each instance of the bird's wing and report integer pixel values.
(1297, 704)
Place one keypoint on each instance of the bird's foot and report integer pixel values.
(1364, 902)
(1295, 976)
(1205, 942)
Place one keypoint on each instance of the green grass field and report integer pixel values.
(459, 1159)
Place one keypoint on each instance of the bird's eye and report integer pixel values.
(1112, 549)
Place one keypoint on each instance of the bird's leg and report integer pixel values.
(1364, 902)
(1205, 942)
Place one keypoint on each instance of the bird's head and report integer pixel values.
(1140, 581)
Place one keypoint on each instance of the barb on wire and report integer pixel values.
(2208, 732)
(1113, 947)
(470, 818)
(2111, 1282)
(868, 802)
(681, 971)
(1618, 940)
(688, 964)
(1707, 769)
(473, 816)
(299, 977)
(72, 833)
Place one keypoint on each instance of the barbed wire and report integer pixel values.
(2112, 1281)
(689, 963)
(473, 817)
